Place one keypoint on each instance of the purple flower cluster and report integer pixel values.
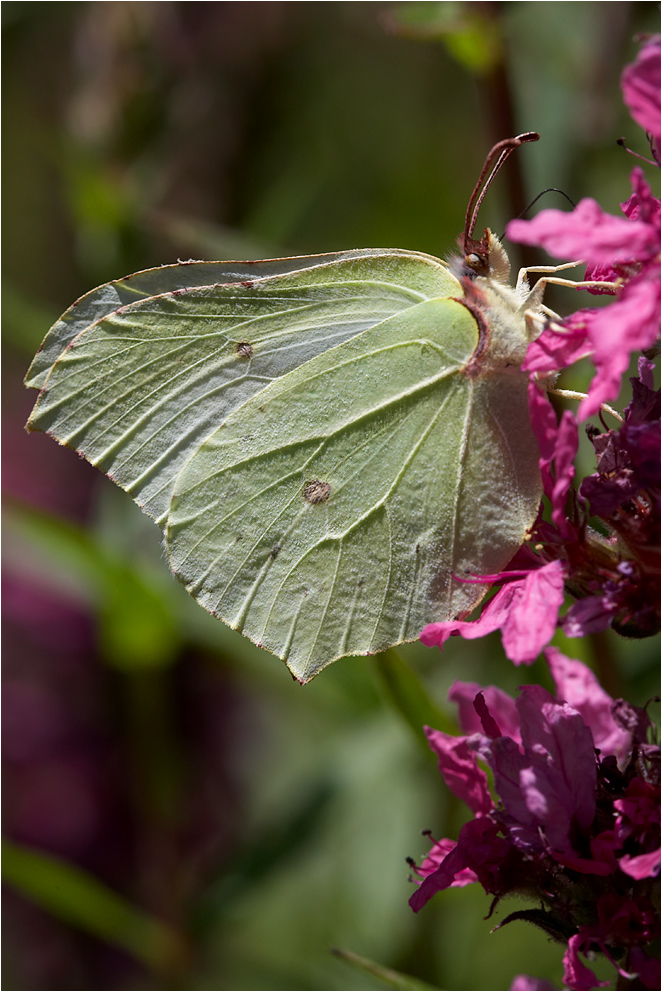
(613, 573)
(576, 826)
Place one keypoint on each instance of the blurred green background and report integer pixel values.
(179, 812)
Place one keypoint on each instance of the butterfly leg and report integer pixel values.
(523, 274)
(523, 280)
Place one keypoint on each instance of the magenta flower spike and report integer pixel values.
(575, 821)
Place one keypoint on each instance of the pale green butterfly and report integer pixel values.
(330, 443)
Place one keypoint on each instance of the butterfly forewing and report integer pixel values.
(138, 390)
(111, 296)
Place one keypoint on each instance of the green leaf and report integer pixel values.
(329, 443)
(392, 979)
(77, 898)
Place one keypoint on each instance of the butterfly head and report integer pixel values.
(486, 258)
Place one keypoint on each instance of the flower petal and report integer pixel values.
(641, 865)
(586, 232)
(640, 83)
(458, 766)
(630, 323)
(501, 706)
(565, 450)
(560, 781)
(576, 975)
(531, 619)
(478, 848)
(492, 617)
(588, 616)
(440, 850)
(560, 345)
(579, 687)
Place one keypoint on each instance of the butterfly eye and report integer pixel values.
(477, 263)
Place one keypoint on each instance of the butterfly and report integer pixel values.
(331, 444)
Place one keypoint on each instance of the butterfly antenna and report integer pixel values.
(495, 159)
(550, 189)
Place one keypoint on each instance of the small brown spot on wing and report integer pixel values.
(244, 349)
(316, 491)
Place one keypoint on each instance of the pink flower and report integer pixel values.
(500, 705)
(575, 820)
(457, 764)
(569, 829)
(560, 345)
(548, 784)
(626, 248)
(579, 686)
(576, 975)
(587, 233)
(631, 323)
(525, 610)
(438, 853)
(641, 87)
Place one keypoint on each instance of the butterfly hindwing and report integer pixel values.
(329, 514)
